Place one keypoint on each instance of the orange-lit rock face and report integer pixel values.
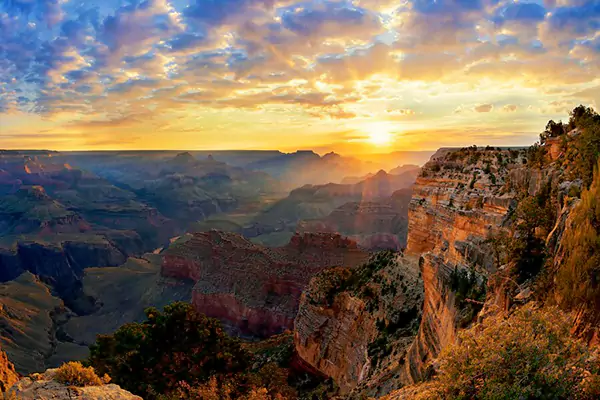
(254, 290)
(335, 340)
(458, 201)
(8, 375)
(439, 322)
(345, 331)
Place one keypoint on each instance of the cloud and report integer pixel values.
(327, 60)
(590, 94)
(216, 12)
(528, 12)
(331, 19)
(483, 108)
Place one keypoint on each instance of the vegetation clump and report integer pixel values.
(469, 290)
(530, 355)
(578, 280)
(75, 374)
(179, 352)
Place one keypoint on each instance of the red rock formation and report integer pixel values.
(254, 290)
(335, 340)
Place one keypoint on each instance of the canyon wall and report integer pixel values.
(254, 290)
(355, 325)
(461, 199)
(60, 261)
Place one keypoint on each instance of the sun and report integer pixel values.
(379, 134)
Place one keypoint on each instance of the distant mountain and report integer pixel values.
(399, 170)
(318, 202)
(375, 224)
(306, 167)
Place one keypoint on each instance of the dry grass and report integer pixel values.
(75, 374)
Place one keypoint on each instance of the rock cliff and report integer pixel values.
(8, 375)
(254, 290)
(355, 326)
(460, 199)
(60, 260)
(45, 387)
(28, 314)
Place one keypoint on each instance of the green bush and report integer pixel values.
(587, 143)
(530, 355)
(177, 345)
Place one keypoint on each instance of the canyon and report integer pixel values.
(459, 199)
(373, 322)
(254, 290)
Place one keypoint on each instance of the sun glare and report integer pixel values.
(379, 134)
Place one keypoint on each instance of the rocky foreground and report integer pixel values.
(45, 387)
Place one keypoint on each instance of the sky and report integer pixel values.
(362, 76)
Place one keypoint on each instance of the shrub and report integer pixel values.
(177, 345)
(473, 180)
(530, 355)
(324, 287)
(537, 156)
(526, 250)
(264, 385)
(467, 286)
(587, 144)
(75, 374)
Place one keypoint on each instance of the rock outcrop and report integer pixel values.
(356, 326)
(461, 198)
(254, 290)
(60, 261)
(8, 375)
(45, 387)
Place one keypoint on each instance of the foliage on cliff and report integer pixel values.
(579, 140)
(390, 292)
(578, 278)
(529, 355)
(180, 353)
(524, 247)
(469, 287)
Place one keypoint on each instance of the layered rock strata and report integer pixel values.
(8, 375)
(355, 326)
(253, 289)
(461, 199)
